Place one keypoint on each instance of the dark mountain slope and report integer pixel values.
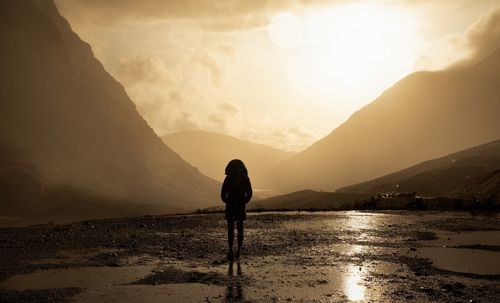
(308, 199)
(439, 176)
(74, 124)
(485, 188)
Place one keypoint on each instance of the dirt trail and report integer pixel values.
(291, 257)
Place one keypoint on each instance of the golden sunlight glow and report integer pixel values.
(358, 223)
(355, 49)
(286, 30)
(353, 288)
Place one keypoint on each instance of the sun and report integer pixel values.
(352, 50)
(286, 30)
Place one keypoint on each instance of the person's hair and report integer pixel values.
(236, 167)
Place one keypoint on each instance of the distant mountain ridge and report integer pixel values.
(75, 125)
(210, 152)
(309, 200)
(449, 175)
(469, 175)
(423, 116)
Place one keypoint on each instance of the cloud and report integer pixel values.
(229, 108)
(143, 69)
(220, 15)
(299, 133)
(161, 98)
(184, 122)
(233, 23)
(206, 60)
(455, 50)
(216, 15)
(219, 122)
(292, 138)
(169, 99)
(483, 37)
(228, 50)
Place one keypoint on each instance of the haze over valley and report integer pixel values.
(218, 149)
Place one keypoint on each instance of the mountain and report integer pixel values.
(484, 188)
(65, 123)
(424, 116)
(439, 177)
(210, 152)
(309, 199)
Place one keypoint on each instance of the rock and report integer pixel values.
(447, 287)
(426, 290)
(459, 285)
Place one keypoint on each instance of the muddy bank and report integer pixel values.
(303, 257)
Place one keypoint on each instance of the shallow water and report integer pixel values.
(188, 292)
(464, 260)
(81, 277)
(489, 237)
(476, 252)
(272, 282)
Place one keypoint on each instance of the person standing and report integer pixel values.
(235, 193)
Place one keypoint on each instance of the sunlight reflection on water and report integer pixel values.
(363, 222)
(353, 288)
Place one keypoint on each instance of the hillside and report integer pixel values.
(210, 152)
(308, 199)
(66, 122)
(439, 176)
(484, 188)
(424, 116)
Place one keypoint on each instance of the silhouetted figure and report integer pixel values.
(236, 192)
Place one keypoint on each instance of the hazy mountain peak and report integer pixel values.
(210, 152)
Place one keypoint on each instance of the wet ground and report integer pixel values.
(289, 257)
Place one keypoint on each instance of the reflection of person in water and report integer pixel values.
(236, 192)
(234, 290)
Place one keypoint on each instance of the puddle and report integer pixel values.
(75, 256)
(245, 281)
(188, 292)
(81, 277)
(464, 260)
(486, 238)
(467, 252)
(349, 282)
(173, 275)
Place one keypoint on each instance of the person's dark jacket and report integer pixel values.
(236, 189)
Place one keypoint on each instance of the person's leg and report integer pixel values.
(230, 238)
(239, 227)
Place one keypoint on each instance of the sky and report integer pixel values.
(281, 72)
